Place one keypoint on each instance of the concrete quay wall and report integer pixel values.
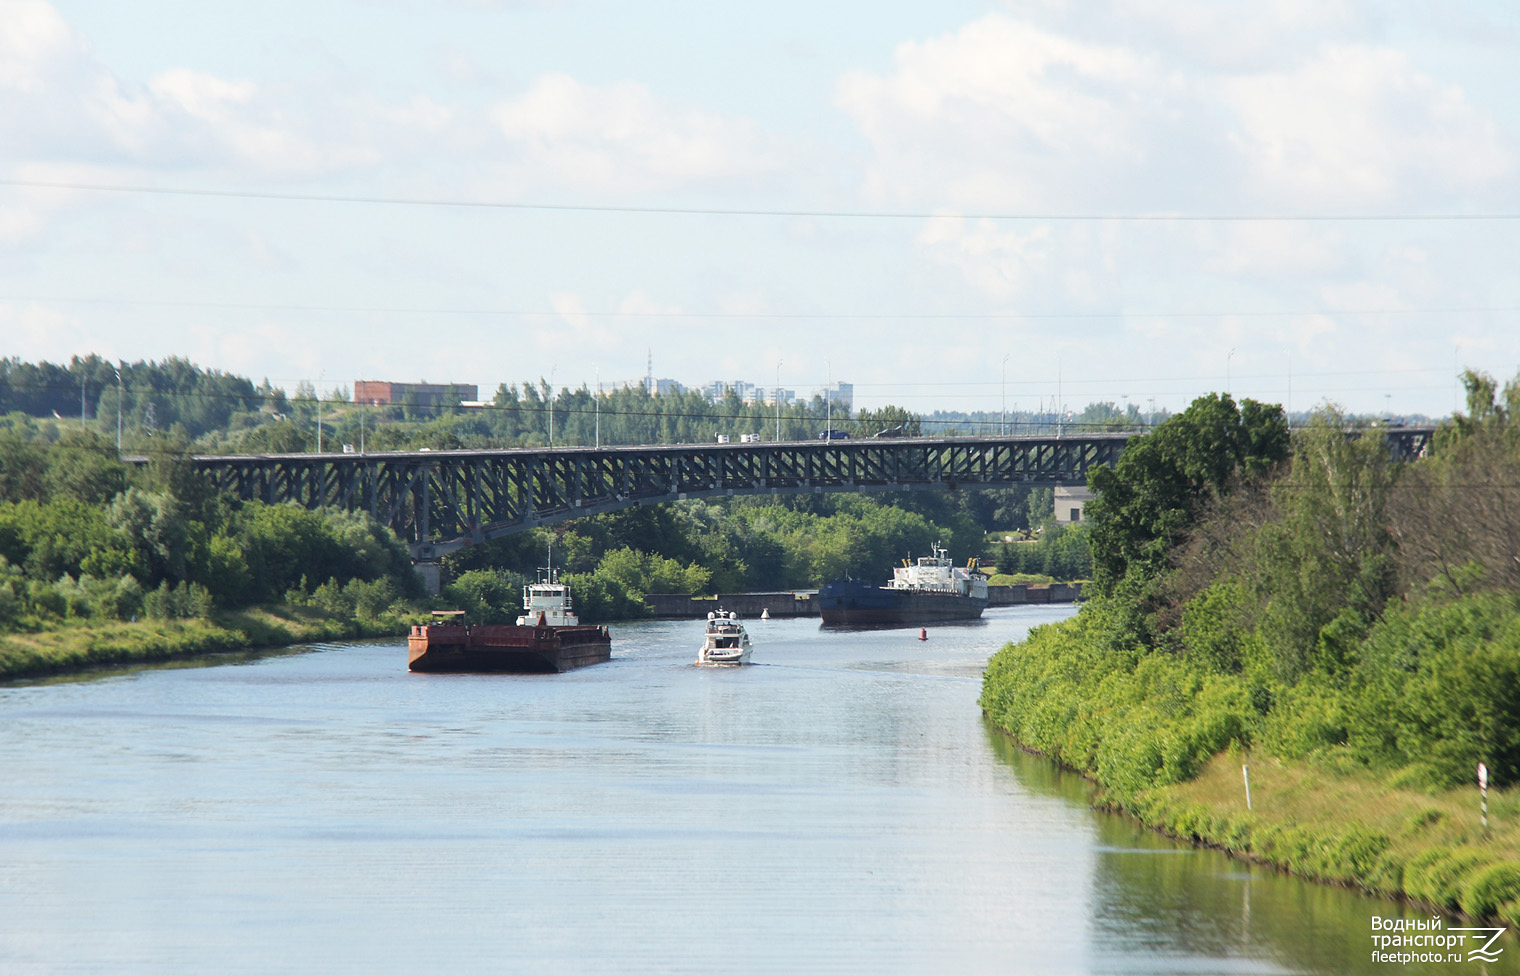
(747, 605)
(1005, 596)
(802, 603)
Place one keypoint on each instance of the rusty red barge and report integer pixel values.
(546, 639)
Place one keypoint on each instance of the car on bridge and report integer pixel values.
(834, 435)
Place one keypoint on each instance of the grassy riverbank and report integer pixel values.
(1348, 827)
(1165, 741)
(74, 647)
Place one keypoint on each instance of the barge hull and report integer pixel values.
(502, 648)
(863, 605)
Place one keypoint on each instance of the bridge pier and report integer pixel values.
(431, 572)
(427, 562)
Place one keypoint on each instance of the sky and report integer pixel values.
(957, 205)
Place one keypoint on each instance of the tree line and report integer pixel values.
(175, 404)
(85, 537)
(1304, 596)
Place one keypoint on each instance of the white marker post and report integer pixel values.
(1245, 771)
(1483, 792)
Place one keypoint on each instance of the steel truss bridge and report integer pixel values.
(440, 501)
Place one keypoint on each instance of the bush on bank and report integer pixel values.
(1143, 724)
(1328, 610)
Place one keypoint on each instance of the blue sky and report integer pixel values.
(1065, 121)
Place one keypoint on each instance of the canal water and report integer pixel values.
(838, 806)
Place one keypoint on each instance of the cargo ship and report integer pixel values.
(929, 589)
(547, 638)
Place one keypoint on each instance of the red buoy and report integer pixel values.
(923, 633)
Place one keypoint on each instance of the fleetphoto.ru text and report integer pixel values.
(1428, 940)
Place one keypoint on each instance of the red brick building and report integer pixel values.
(380, 393)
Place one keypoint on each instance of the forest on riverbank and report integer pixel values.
(112, 558)
(1345, 624)
(85, 537)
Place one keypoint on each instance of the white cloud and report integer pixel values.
(61, 106)
(999, 262)
(1269, 249)
(571, 308)
(33, 38)
(1358, 125)
(622, 138)
(638, 302)
(1226, 35)
(35, 332)
(1004, 114)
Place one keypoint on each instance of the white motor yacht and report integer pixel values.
(725, 641)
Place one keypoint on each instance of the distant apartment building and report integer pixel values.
(380, 393)
(839, 394)
(717, 390)
(761, 394)
(663, 387)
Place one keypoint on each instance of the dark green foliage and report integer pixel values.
(1216, 631)
(488, 596)
(1440, 687)
(182, 601)
(598, 598)
(1456, 516)
(1083, 693)
(1164, 480)
(355, 599)
(1061, 552)
(1041, 507)
(79, 466)
(283, 546)
(273, 436)
(23, 468)
(66, 536)
(642, 573)
(890, 420)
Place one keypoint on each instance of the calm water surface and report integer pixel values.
(839, 806)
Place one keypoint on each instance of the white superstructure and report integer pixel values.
(936, 574)
(547, 603)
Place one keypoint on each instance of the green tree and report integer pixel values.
(23, 468)
(85, 467)
(488, 596)
(1324, 564)
(1164, 480)
(869, 423)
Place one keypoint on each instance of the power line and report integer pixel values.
(801, 316)
(747, 212)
